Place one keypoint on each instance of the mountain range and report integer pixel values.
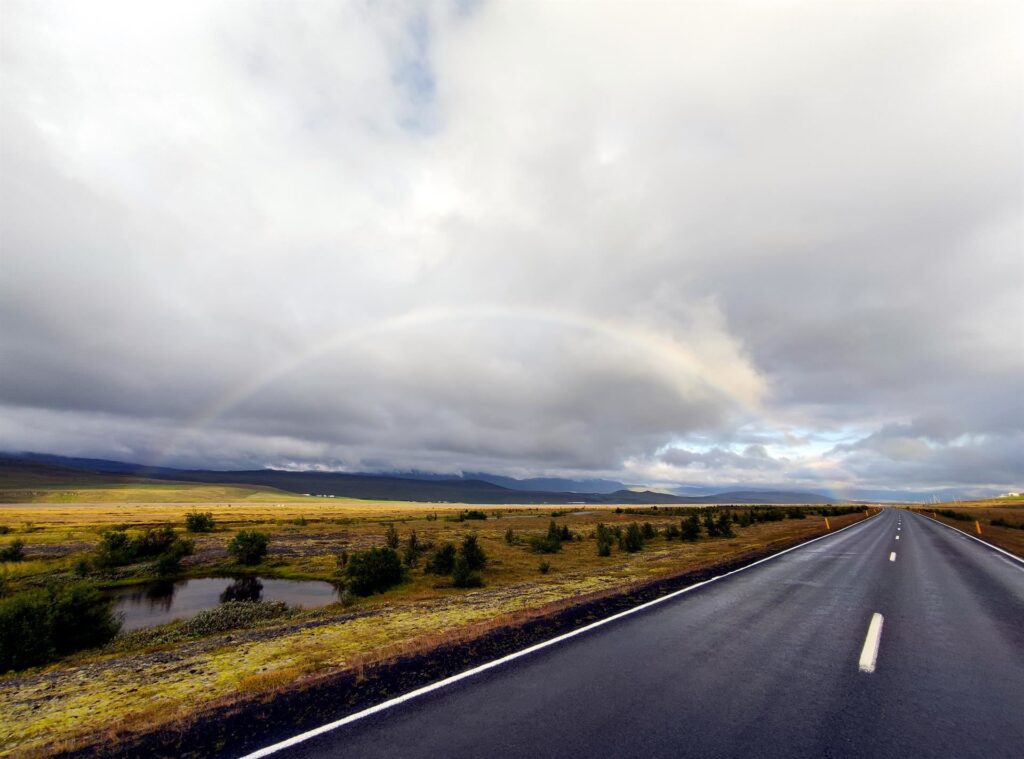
(475, 487)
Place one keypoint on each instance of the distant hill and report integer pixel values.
(385, 487)
(549, 484)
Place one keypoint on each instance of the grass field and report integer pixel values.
(1010, 511)
(140, 681)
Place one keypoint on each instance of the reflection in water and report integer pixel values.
(157, 596)
(243, 589)
(159, 602)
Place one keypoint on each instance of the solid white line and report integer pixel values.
(968, 535)
(302, 737)
(892, 556)
(869, 654)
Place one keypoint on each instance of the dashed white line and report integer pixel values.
(869, 654)
(892, 556)
(897, 537)
(302, 737)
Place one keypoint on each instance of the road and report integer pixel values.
(772, 661)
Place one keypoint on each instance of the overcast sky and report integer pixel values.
(768, 244)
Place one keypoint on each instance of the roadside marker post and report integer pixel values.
(827, 525)
(977, 526)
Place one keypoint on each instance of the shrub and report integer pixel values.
(169, 562)
(604, 540)
(114, 549)
(249, 546)
(690, 528)
(463, 575)
(25, 631)
(510, 537)
(473, 553)
(81, 617)
(710, 525)
(4, 529)
(40, 625)
(199, 521)
(544, 567)
(13, 551)
(550, 542)
(373, 571)
(391, 537)
(443, 560)
(118, 548)
(672, 532)
(633, 539)
(1000, 522)
(411, 555)
(725, 525)
(648, 531)
(233, 614)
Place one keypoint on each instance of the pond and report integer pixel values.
(164, 601)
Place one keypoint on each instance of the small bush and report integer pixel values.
(413, 549)
(4, 529)
(672, 532)
(463, 575)
(689, 528)
(724, 524)
(633, 539)
(373, 571)
(473, 553)
(605, 538)
(550, 542)
(1000, 522)
(40, 625)
(13, 551)
(118, 548)
(249, 546)
(199, 521)
(169, 562)
(391, 537)
(648, 531)
(443, 560)
(510, 537)
(544, 567)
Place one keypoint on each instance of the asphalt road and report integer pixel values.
(763, 663)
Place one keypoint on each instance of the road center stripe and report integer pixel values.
(869, 654)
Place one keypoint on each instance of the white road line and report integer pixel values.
(302, 737)
(892, 556)
(869, 654)
(897, 537)
(966, 535)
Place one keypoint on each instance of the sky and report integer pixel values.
(769, 244)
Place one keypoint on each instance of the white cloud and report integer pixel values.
(518, 236)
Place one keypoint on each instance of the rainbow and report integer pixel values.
(668, 358)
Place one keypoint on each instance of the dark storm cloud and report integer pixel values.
(768, 246)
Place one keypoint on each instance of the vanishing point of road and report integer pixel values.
(897, 637)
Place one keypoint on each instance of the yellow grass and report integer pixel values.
(97, 692)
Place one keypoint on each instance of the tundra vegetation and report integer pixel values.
(410, 576)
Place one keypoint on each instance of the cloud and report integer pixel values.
(517, 237)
